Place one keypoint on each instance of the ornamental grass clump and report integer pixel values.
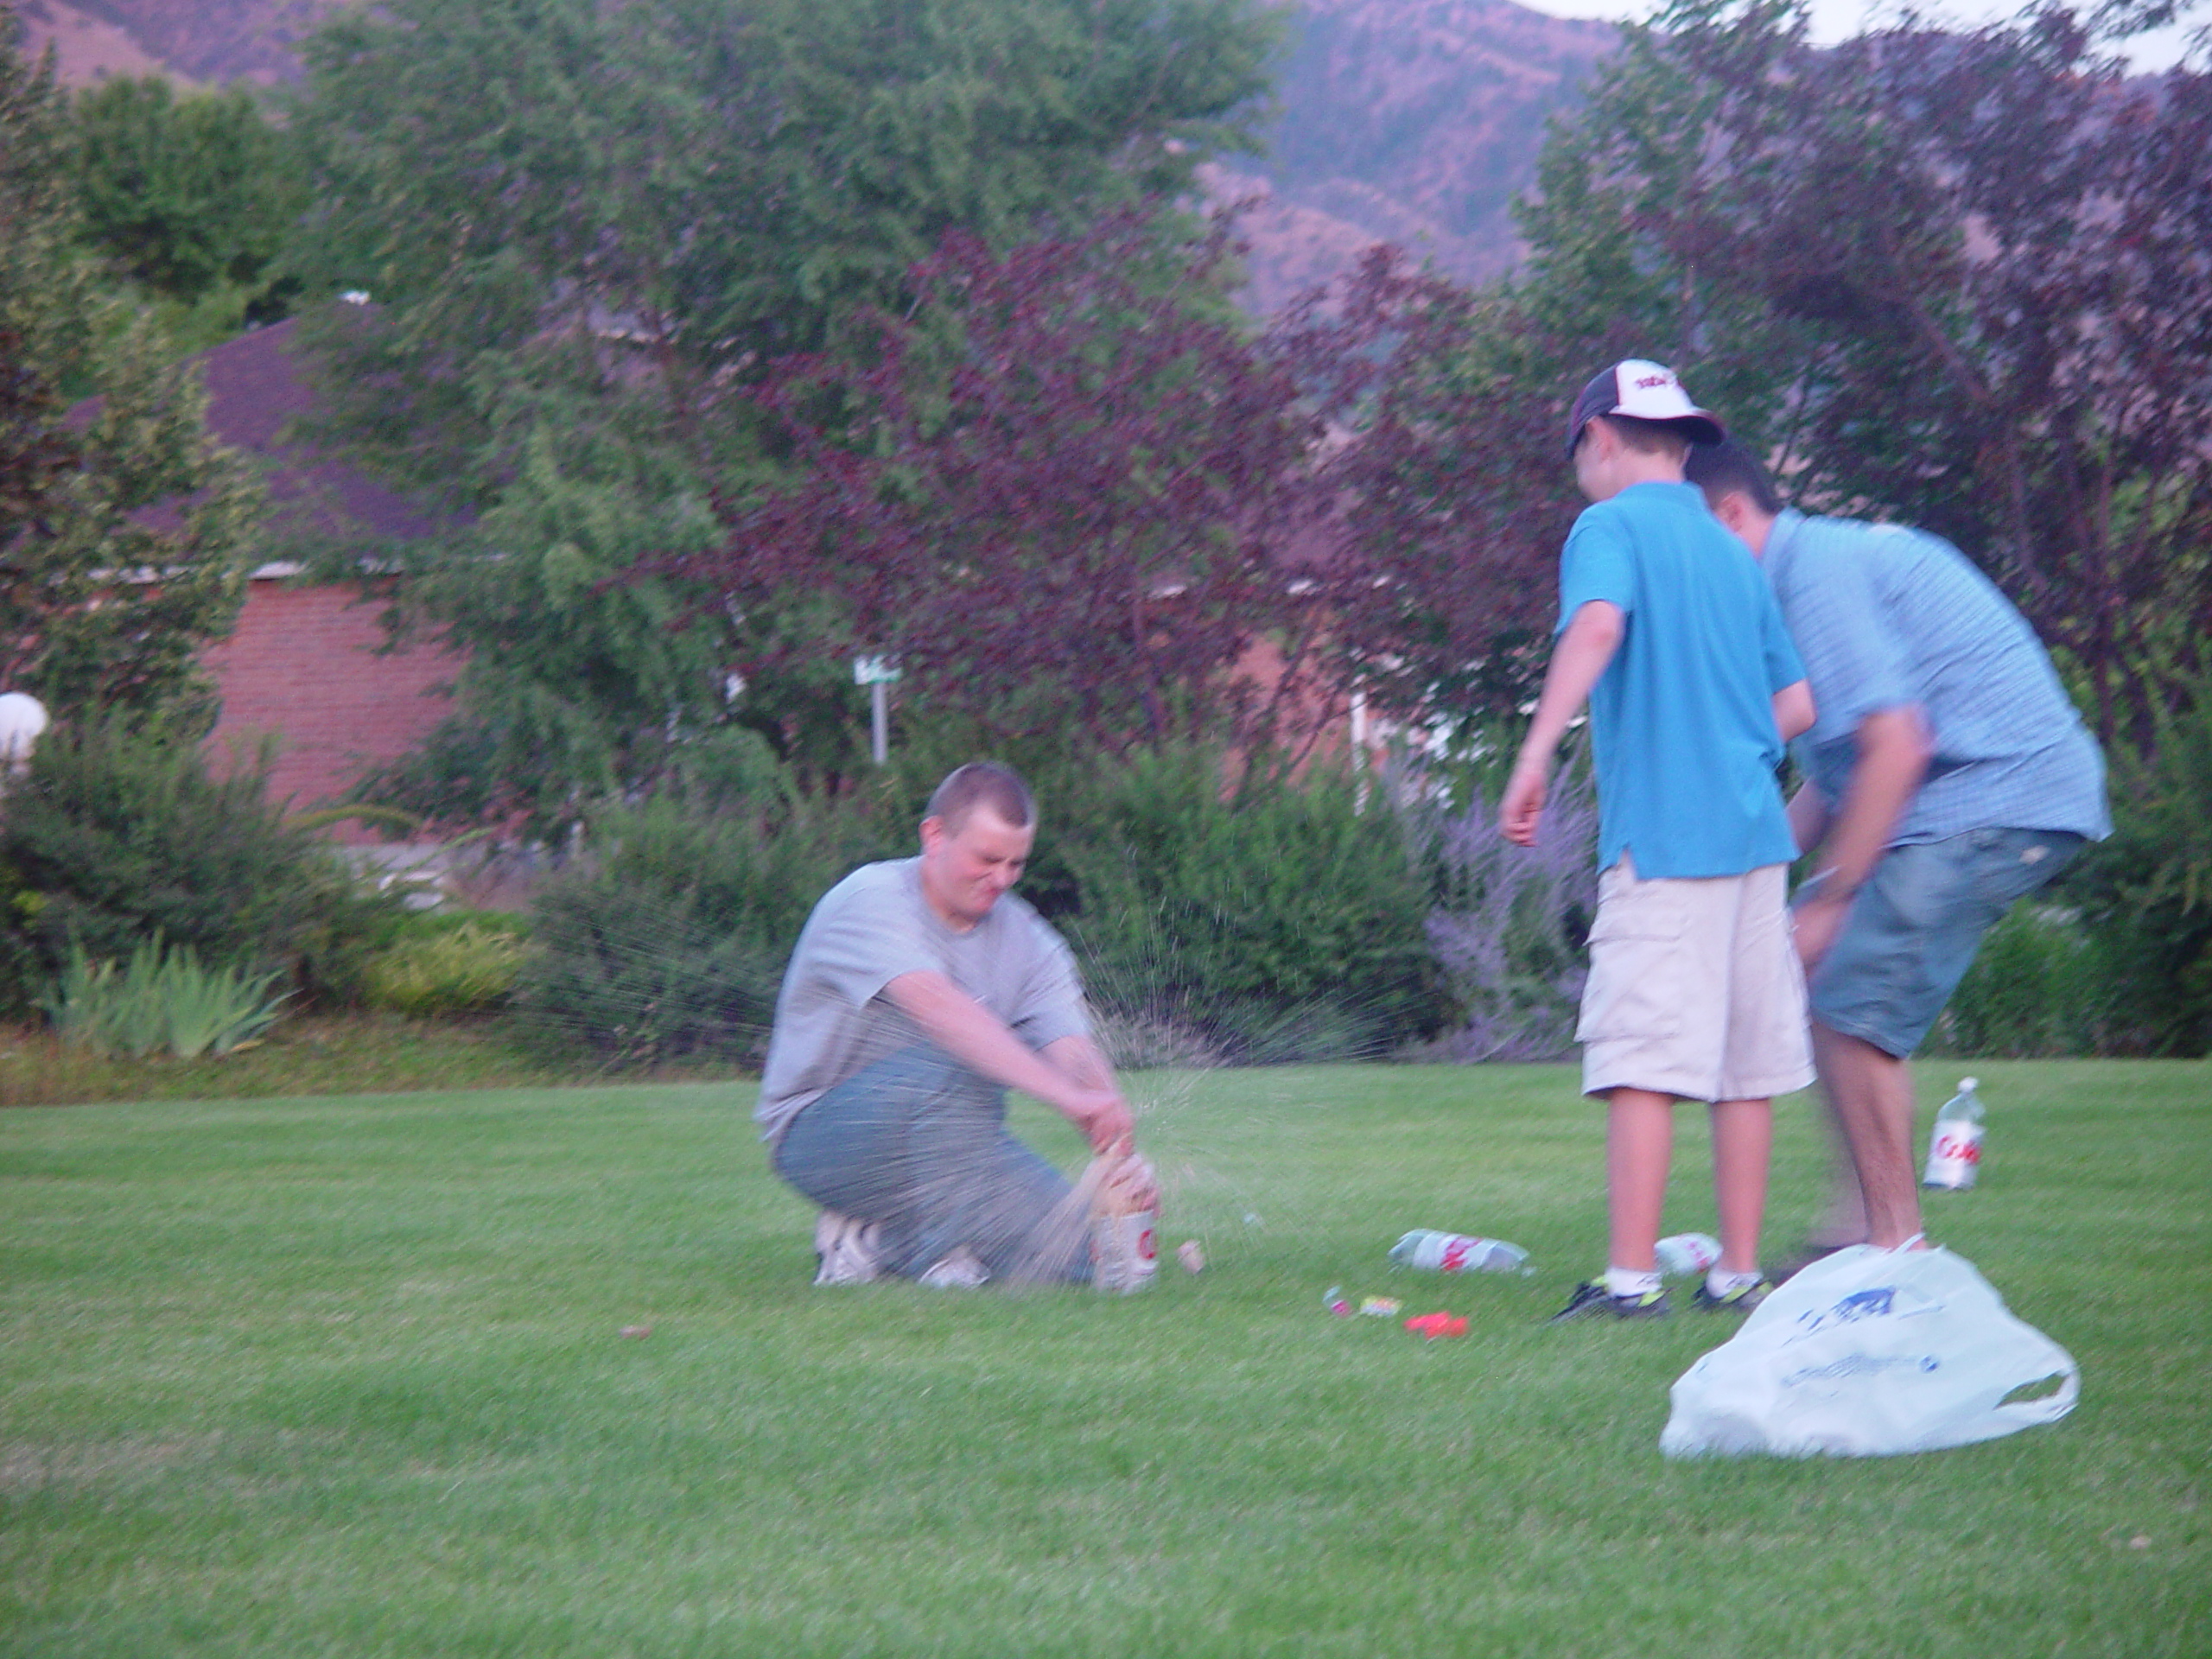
(162, 1000)
(1510, 923)
(470, 968)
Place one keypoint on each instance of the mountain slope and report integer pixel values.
(1410, 121)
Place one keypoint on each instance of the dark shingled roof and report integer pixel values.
(255, 386)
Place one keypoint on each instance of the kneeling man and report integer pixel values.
(920, 992)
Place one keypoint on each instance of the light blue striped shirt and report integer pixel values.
(1886, 616)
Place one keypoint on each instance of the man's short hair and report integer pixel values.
(1728, 468)
(1649, 437)
(982, 783)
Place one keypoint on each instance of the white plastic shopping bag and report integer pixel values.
(1866, 1353)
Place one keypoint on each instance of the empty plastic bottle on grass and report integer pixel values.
(1954, 1148)
(1456, 1253)
(1681, 1254)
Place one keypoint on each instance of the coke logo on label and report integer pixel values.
(1147, 1247)
(1965, 1150)
(1455, 1255)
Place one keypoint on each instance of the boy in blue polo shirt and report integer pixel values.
(1668, 630)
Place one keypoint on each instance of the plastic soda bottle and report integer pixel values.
(1456, 1253)
(1687, 1253)
(1954, 1149)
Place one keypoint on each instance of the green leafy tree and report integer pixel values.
(124, 541)
(586, 227)
(184, 193)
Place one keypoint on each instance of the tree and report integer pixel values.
(1959, 279)
(125, 540)
(1452, 492)
(182, 194)
(587, 228)
(1083, 526)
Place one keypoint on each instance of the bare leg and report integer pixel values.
(1639, 1140)
(1743, 1145)
(1871, 1093)
(1846, 1220)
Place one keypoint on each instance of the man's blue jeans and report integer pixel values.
(918, 1143)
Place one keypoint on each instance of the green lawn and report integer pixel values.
(344, 1376)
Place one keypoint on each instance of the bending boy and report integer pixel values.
(1668, 630)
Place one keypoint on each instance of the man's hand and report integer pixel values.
(1102, 1115)
(1521, 808)
(1090, 1098)
(1815, 922)
(1895, 745)
(1131, 1184)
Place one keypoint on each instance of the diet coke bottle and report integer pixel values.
(1954, 1149)
(1681, 1254)
(1456, 1253)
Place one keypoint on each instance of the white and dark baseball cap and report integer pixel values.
(1642, 391)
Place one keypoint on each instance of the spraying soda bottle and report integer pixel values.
(1456, 1253)
(1954, 1149)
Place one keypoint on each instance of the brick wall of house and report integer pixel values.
(302, 664)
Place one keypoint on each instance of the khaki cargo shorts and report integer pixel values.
(1695, 987)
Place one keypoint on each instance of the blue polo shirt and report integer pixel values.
(1683, 719)
(1888, 617)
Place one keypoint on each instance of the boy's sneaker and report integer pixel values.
(959, 1271)
(1742, 1300)
(1593, 1298)
(845, 1247)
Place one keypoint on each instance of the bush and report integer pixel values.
(1279, 923)
(116, 835)
(471, 967)
(1511, 924)
(162, 1000)
(668, 940)
(2146, 895)
(2040, 987)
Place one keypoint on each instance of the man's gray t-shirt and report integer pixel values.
(1886, 616)
(832, 1019)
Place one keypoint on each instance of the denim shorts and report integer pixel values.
(918, 1143)
(1915, 927)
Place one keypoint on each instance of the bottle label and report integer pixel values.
(1954, 1155)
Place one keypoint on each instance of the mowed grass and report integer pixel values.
(345, 1377)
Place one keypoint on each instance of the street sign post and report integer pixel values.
(877, 674)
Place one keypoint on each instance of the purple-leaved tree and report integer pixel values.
(1067, 493)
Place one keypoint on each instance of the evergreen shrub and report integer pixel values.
(667, 938)
(2146, 895)
(1278, 921)
(118, 835)
(2115, 958)
(2040, 987)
